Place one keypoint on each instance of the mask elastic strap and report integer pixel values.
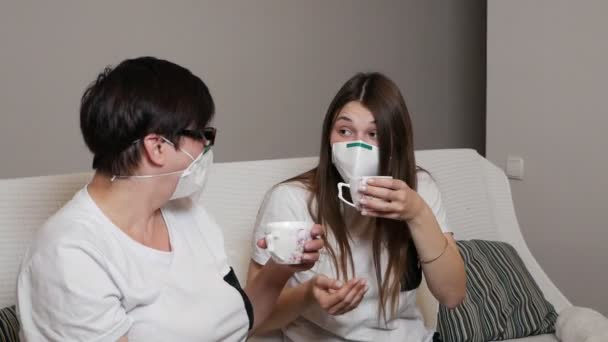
(172, 144)
(160, 174)
(148, 176)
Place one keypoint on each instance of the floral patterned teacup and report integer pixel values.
(285, 240)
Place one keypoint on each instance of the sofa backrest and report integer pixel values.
(235, 190)
(25, 203)
(475, 193)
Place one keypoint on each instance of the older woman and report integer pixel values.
(131, 257)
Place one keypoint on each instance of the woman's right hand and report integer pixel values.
(311, 251)
(334, 297)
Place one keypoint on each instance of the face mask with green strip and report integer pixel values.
(355, 159)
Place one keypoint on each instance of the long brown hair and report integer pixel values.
(382, 97)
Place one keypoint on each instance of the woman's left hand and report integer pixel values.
(390, 198)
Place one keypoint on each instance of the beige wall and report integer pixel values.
(546, 101)
(272, 66)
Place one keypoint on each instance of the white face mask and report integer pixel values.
(192, 179)
(355, 159)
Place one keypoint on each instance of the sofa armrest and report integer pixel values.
(578, 324)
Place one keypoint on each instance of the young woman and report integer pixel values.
(363, 286)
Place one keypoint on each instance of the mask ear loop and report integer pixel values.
(164, 174)
(115, 176)
(178, 148)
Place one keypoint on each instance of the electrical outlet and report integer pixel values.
(515, 167)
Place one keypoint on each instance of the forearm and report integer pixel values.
(445, 274)
(290, 304)
(274, 304)
(264, 290)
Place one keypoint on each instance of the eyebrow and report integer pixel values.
(342, 117)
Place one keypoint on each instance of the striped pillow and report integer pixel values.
(503, 301)
(9, 325)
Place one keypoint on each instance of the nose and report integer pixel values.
(363, 136)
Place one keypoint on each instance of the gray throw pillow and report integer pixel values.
(9, 325)
(502, 302)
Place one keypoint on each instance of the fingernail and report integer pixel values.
(362, 188)
(363, 212)
(369, 181)
(362, 201)
(339, 283)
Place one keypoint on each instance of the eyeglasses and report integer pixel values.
(207, 134)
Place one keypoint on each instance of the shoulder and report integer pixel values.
(285, 195)
(429, 191)
(426, 185)
(60, 257)
(78, 224)
(290, 191)
(425, 179)
(284, 202)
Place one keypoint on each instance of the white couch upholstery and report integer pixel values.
(476, 195)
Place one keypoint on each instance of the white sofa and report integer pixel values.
(476, 195)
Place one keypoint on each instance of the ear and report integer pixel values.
(156, 149)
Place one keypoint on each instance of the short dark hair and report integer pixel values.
(138, 97)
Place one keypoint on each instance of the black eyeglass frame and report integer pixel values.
(208, 134)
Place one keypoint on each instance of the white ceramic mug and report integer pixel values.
(354, 185)
(285, 240)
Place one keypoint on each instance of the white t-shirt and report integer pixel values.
(84, 279)
(289, 202)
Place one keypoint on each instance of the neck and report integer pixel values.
(132, 205)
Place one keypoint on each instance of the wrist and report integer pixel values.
(421, 216)
(309, 296)
(277, 274)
